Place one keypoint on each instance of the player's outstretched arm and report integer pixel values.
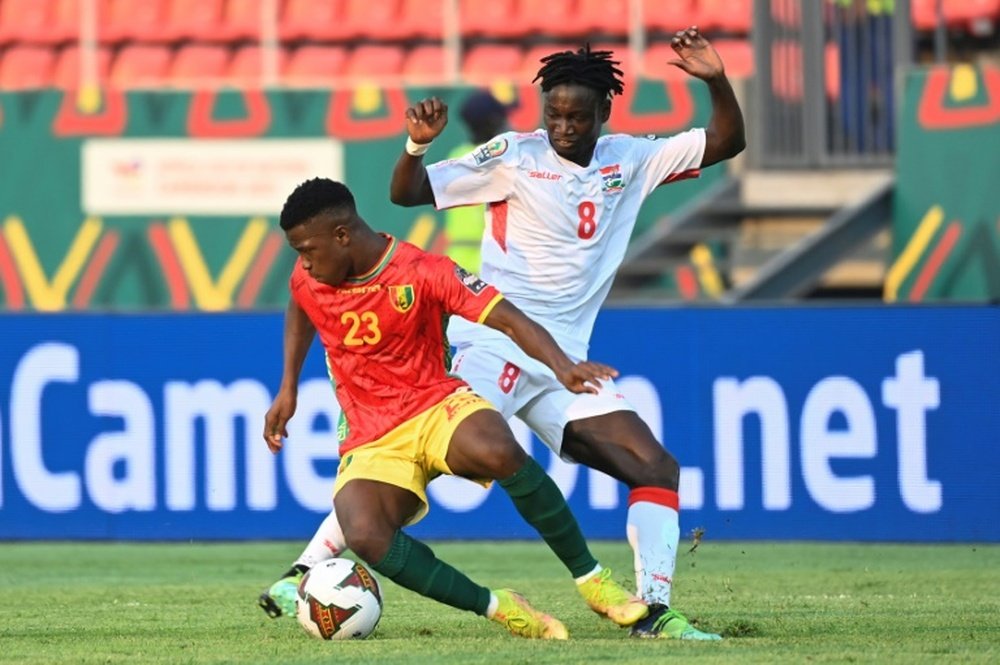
(582, 377)
(424, 122)
(299, 333)
(725, 136)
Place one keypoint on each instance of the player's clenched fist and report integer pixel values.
(426, 119)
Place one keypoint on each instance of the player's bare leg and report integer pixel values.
(621, 445)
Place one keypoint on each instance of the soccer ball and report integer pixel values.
(339, 599)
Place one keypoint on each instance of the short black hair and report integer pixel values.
(591, 69)
(313, 197)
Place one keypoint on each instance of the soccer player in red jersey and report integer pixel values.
(380, 307)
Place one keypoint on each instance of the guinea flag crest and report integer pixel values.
(402, 297)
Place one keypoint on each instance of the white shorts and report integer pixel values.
(518, 385)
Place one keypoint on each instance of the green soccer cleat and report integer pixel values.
(664, 622)
(279, 600)
(610, 599)
(517, 616)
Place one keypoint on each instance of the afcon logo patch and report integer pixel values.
(470, 280)
(488, 151)
(402, 297)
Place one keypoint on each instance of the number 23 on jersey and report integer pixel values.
(362, 328)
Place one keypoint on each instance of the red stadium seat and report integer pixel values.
(311, 19)
(246, 68)
(67, 72)
(606, 17)
(242, 19)
(489, 19)
(141, 66)
(373, 61)
(426, 65)
(923, 14)
(656, 63)
(978, 17)
(737, 56)
(26, 67)
(314, 66)
(372, 19)
(194, 19)
(669, 16)
(199, 64)
(725, 15)
(25, 20)
(127, 20)
(421, 19)
(551, 17)
(484, 64)
(622, 54)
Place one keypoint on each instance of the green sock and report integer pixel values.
(411, 564)
(543, 506)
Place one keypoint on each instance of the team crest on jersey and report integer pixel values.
(402, 297)
(470, 280)
(611, 179)
(488, 151)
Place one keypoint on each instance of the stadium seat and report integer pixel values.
(374, 61)
(26, 68)
(604, 17)
(484, 64)
(548, 18)
(241, 20)
(197, 65)
(314, 66)
(426, 65)
(372, 19)
(25, 21)
(246, 67)
(421, 19)
(140, 66)
(622, 54)
(194, 19)
(67, 71)
(669, 16)
(923, 14)
(737, 55)
(656, 63)
(977, 17)
(127, 20)
(489, 19)
(725, 15)
(311, 19)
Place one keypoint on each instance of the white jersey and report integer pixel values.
(556, 231)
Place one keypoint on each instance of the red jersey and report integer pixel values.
(384, 334)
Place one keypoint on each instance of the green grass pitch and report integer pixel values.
(774, 602)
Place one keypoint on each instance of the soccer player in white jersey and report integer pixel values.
(562, 203)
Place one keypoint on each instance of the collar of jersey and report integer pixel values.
(379, 265)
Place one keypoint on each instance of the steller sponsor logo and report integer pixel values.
(544, 175)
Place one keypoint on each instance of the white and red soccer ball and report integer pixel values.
(339, 599)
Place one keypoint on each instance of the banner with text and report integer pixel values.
(818, 423)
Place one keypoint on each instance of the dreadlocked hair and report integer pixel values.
(592, 69)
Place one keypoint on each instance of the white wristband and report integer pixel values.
(416, 149)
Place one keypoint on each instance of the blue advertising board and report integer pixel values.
(830, 423)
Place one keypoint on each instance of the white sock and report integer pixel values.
(583, 578)
(327, 543)
(491, 609)
(653, 531)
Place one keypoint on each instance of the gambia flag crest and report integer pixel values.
(402, 297)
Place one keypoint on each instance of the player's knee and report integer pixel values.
(369, 541)
(507, 458)
(657, 469)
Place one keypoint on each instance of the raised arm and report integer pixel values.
(582, 377)
(299, 334)
(725, 136)
(424, 122)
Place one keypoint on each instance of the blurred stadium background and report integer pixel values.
(812, 328)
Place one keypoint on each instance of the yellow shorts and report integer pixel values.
(413, 454)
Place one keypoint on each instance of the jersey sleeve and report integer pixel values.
(659, 161)
(484, 175)
(459, 291)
